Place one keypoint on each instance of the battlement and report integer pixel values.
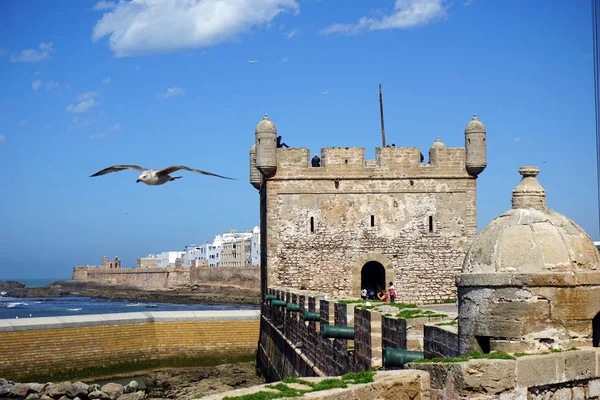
(389, 162)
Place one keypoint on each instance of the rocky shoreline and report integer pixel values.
(207, 294)
(182, 383)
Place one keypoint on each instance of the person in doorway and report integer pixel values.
(392, 291)
(371, 294)
(363, 294)
(382, 296)
(280, 144)
(316, 161)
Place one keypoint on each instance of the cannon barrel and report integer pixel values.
(397, 358)
(337, 332)
(293, 307)
(271, 297)
(278, 303)
(311, 316)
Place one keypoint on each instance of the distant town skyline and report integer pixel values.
(160, 83)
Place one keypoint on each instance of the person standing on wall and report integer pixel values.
(316, 161)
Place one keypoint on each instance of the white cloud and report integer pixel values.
(35, 85)
(51, 85)
(106, 80)
(467, 3)
(84, 102)
(171, 92)
(104, 5)
(155, 26)
(2, 138)
(291, 33)
(407, 14)
(34, 55)
(115, 128)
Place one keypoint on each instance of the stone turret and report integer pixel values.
(475, 146)
(433, 150)
(530, 281)
(266, 147)
(255, 178)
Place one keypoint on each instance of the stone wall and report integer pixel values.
(246, 277)
(440, 341)
(324, 224)
(289, 346)
(40, 349)
(565, 375)
(139, 277)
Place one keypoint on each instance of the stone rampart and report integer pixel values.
(138, 277)
(565, 375)
(290, 346)
(246, 277)
(52, 348)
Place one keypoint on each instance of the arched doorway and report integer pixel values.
(596, 331)
(372, 276)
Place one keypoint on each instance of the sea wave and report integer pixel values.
(13, 305)
(74, 309)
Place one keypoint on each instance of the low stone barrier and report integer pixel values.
(573, 374)
(52, 348)
(69, 390)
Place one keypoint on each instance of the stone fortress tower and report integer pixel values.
(354, 223)
(530, 280)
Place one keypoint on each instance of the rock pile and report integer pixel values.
(69, 391)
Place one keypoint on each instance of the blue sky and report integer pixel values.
(88, 84)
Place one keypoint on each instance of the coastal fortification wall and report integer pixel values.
(139, 277)
(51, 348)
(245, 277)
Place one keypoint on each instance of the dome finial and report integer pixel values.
(266, 117)
(529, 193)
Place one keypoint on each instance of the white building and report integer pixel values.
(255, 246)
(168, 258)
(236, 249)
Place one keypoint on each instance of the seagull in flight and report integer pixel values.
(325, 92)
(153, 176)
(252, 61)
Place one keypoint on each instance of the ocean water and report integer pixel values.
(28, 307)
(37, 282)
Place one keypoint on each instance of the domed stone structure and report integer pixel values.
(530, 280)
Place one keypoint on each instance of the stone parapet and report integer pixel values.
(567, 375)
(52, 348)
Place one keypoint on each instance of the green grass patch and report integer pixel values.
(351, 301)
(283, 390)
(454, 322)
(417, 313)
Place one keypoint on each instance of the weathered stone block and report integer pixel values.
(540, 370)
(487, 376)
(580, 365)
(594, 388)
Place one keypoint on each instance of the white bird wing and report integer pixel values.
(117, 168)
(170, 170)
